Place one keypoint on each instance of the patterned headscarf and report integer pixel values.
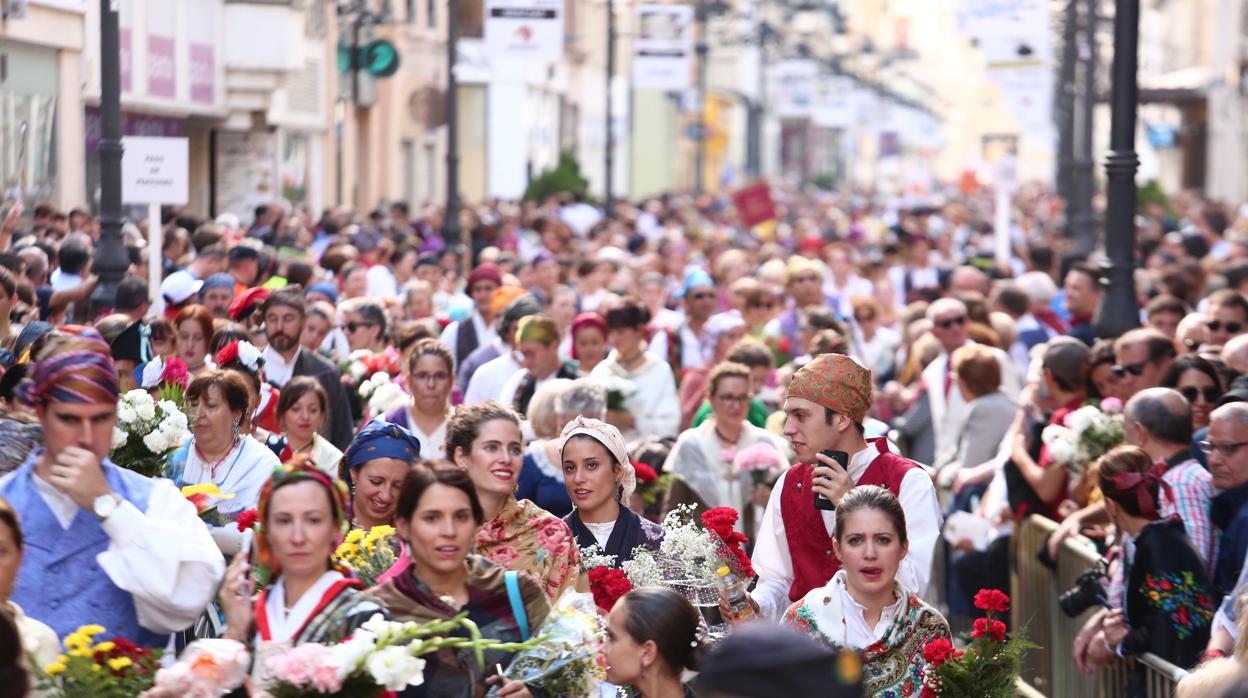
(836, 382)
(81, 371)
(379, 439)
(612, 440)
(298, 470)
(537, 328)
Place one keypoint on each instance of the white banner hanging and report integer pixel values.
(834, 106)
(524, 30)
(663, 49)
(795, 88)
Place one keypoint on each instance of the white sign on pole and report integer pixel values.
(154, 171)
(524, 30)
(834, 107)
(795, 88)
(663, 51)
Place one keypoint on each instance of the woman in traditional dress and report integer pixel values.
(721, 332)
(242, 356)
(40, 645)
(374, 467)
(864, 607)
(219, 453)
(600, 480)
(193, 328)
(430, 378)
(652, 638)
(649, 390)
(484, 440)
(437, 519)
(702, 458)
(303, 518)
(301, 410)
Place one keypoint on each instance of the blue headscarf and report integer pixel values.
(325, 288)
(379, 439)
(694, 277)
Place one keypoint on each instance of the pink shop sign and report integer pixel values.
(203, 70)
(161, 67)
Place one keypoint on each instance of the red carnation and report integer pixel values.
(247, 520)
(176, 373)
(929, 693)
(228, 354)
(607, 585)
(644, 472)
(720, 520)
(993, 629)
(937, 652)
(992, 601)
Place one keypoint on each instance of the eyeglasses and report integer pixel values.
(1231, 327)
(946, 324)
(1225, 450)
(1122, 370)
(733, 399)
(353, 326)
(1191, 392)
(426, 377)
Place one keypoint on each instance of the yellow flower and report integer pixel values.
(355, 536)
(81, 652)
(347, 550)
(77, 641)
(377, 533)
(56, 667)
(95, 667)
(209, 489)
(91, 630)
(104, 647)
(119, 663)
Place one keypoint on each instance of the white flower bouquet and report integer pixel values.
(1089, 432)
(147, 431)
(619, 390)
(568, 658)
(382, 393)
(686, 561)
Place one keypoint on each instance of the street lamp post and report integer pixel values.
(1119, 309)
(111, 258)
(609, 165)
(702, 48)
(450, 220)
(1079, 212)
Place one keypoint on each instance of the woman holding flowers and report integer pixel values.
(484, 441)
(301, 409)
(302, 518)
(220, 452)
(650, 405)
(600, 480)
(438, 515)
(864, 607)
(374, 468)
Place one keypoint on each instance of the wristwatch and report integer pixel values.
(104, 505)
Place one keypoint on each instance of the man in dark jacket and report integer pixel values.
(284, 359)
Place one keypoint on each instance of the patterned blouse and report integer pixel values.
(527, 538)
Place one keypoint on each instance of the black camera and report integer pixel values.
(1088, 591)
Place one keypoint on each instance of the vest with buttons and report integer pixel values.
(60, 582)
(810, 546)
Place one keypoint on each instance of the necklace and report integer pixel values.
(213, 466)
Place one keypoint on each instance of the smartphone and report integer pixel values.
(842, 459)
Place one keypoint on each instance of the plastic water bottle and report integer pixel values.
(732, 591)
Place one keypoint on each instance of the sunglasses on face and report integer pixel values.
(1191, 392)
(353, 326)
(1121, 370)
(946, 324)
(701, 295)
(1231, 327)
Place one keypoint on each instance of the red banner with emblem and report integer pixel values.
(754, 204)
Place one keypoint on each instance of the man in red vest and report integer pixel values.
(824, 408)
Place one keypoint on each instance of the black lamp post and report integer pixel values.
(702, 48)
(609, 165)
(111, 258)
(450, 220)
(1119, 309)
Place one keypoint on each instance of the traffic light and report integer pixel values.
(379, 58)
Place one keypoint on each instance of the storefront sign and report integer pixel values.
(664, 47)
(161, 66)
(203, 71)
(525, 30)
(795, 88)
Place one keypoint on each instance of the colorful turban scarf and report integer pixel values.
(836, 382)
(379, 439)
(587, 321)
(612, 440)
(298, 470)
(537, 328)
(80, 371)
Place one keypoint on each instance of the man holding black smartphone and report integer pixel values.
(824, 408)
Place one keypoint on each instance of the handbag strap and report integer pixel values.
(512, 580)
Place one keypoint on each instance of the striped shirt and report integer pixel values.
(1192, 488)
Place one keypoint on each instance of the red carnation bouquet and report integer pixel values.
(607, 585)
(989, 666)
(722, 522)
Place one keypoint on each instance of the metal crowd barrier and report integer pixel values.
(1050, 670)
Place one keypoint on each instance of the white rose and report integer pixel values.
(345, 657)
(146, 411)
(169, 407)
(394, 669)
(1082, 418)
(126, 413)
(381, 377)
(119, 438)
(356, 370)
(1055, 432)
(155, 442)
(1062, 451)
(366, 389)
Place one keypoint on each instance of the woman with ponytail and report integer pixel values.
(652, 638)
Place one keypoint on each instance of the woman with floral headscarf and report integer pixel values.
(301, 520)
(600, 479)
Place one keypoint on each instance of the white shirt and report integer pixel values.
(432, 446)
(277, 370)
(774, 564)
(653, 401)
(485, 333)
(858, 633)
(381, 283)
(162, 556)
(601, 531)
(282, 624)
(488, 381)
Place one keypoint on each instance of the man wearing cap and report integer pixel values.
(104, 545)
(827, 401)
(537, 341)
(179, 290)
(463, 336)
(217, 294)
(697, 295)
(487, 381)
(284, 358)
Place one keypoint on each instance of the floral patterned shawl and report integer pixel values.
(893, 665)
(527, 538)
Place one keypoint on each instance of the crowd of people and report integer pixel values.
(847, 378)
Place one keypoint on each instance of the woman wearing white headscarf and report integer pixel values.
(600, 479)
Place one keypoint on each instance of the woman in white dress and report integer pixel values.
(219, 453)
(650, 403)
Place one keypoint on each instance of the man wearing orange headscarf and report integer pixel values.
(827, 401)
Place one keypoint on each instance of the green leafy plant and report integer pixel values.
(565, 178)
(989, 666)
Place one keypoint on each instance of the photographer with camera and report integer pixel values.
(1169, 603)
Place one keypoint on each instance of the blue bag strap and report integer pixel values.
(512, 579)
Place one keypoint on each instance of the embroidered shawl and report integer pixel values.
(893, 665)
(526, 538)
